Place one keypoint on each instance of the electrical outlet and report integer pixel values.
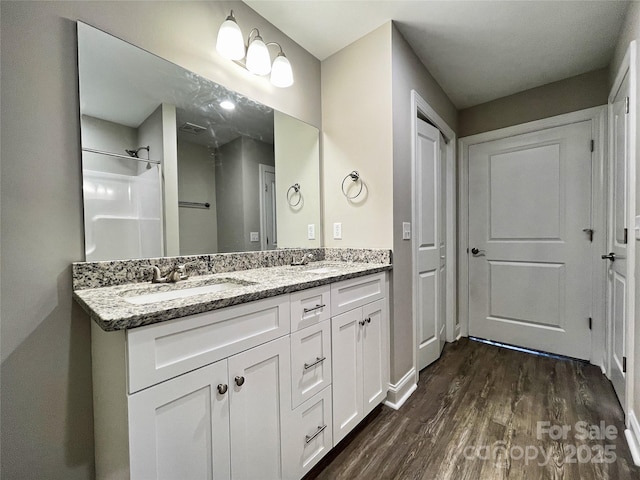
(311, 231)
(254, 236)
(337, 231)
(406, 231)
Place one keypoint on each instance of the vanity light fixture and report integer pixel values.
(258, 60)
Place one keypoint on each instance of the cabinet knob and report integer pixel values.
(368, 319)
(239, 381)
(222, 388)
(362, 322)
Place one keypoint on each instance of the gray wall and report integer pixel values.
(254, 153)
(46, 405)
(565, 96)
(229, 200)
(408, 73)
(197, 183)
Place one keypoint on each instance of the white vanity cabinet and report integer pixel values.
(258, 390)
(359, 340)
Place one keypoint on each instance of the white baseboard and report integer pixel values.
(633, 437)
(399, 393)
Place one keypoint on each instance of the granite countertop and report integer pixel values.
(109, 308)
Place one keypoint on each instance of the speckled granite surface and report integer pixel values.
(119, 272)
(109, 308)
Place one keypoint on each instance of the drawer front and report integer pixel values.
(357, 292)
(308, 435)
(310, 361)
(310, 307)
(165, 350)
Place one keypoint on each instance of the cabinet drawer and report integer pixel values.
(356, 292)
(308, 435)
(310, 361)
(309, 307)
(165, 350)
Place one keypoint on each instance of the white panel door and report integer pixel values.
(429, 241)
(180, 428)
(619, 220)
(529, 266)
(260, 391)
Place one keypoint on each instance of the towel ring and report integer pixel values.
(296, 189)
(354, 176)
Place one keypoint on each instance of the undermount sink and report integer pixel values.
(173, 292)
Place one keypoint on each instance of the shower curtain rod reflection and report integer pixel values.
(117, 155)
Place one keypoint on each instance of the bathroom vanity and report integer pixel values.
(256, 379)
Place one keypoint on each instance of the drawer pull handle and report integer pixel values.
(239, 381)
(317, 307)
(307, 366)
(222, 388)
(308, 438)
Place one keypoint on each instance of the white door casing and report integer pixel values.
(429, 244)
(529, 260)
(620, 241)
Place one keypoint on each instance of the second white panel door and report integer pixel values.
(529, 250)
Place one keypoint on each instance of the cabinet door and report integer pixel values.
(374, 356)
(260, 392)
(180, 428)
(346, 350)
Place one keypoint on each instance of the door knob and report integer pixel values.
(611, 256)
(475, 252)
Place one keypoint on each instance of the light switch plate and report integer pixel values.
(311, 231)
(337, 231)
(254, 236)
(406, 231)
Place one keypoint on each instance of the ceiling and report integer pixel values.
(477, 50)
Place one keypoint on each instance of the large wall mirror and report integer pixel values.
(175, 164)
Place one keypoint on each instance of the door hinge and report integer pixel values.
(593, 145)
(590, 323)
(625, 235)
(624, 364)
(626, 105)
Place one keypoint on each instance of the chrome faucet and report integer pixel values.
(179, 272)
(306, 258)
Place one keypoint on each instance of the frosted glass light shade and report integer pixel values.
(258, 59)
(281, 73)
(230, 43)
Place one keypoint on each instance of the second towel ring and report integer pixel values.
(296, 189)
(355, 176)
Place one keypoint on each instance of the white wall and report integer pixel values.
(46, 405)
(197, 183)
(357, 135)
(297, 155)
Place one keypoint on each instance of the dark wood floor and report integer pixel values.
(475, 416)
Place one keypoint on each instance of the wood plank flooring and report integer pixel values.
(475, 416)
